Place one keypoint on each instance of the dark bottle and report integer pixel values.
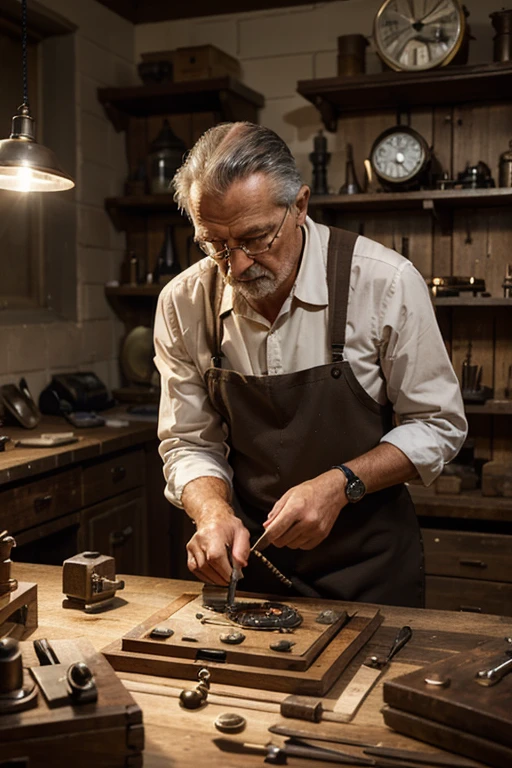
(167, 265)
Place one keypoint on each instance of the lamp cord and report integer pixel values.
(24, 51)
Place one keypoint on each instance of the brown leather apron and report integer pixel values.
(285, 429)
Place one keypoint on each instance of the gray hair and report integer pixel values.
(232, 151)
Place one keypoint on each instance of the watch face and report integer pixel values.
(398, 156)
(419, 34)
(355, 489)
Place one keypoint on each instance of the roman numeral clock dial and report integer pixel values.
(419, 34)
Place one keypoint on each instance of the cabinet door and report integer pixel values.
(116, 527)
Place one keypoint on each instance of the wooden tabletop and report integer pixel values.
(21, 462)
(177, 737)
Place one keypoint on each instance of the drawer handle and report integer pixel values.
(471, 608)
(118, 474)
(42, 502)
(474, 563)
(117, 538)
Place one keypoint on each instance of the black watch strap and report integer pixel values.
(346, 471)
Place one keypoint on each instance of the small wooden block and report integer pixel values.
(497, 479)
(18, 611)
(448, 484)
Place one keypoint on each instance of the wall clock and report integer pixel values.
(400, 158)
(419, 34)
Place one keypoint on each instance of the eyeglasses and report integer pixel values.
(256, 247)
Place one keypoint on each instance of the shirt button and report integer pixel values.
(336, 373)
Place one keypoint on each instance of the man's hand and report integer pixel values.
(305, 515)
(206, 501)
(207, 550)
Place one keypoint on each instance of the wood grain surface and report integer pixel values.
(177, 737)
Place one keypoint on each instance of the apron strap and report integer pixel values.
(214, 326)
(339, 262)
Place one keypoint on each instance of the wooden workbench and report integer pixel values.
(176, 737)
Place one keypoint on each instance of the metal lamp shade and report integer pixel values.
(26, 166)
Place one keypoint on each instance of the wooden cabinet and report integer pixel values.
(465, 114)
(116, 527)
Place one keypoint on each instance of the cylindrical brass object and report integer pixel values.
(502, 23)
(351, 55)
(11, 667)
(505, 174)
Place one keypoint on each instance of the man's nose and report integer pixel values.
(239, 262)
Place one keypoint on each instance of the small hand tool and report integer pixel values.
(257, 549)
(373, 750)
(366, 677)
(279, 755)
(488, 677)
(236, 575)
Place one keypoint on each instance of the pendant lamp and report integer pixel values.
(25, 165)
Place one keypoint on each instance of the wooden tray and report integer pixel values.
(320, 654)
(464, 716)
(105, 734)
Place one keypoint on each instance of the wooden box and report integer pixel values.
(453, 710)
(203, 62)
(105, 734)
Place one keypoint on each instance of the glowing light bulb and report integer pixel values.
(24, 179)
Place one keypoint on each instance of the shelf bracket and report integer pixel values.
(328, 114)
(443, 216)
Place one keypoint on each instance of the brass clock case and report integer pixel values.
(411, 181)
(451, 54)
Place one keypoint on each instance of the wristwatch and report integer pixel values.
(355, 489)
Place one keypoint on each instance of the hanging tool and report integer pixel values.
(366, 677)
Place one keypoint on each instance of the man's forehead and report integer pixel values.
(230, 214)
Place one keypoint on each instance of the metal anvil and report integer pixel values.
(89, 581)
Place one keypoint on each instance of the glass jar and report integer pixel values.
(166, 154)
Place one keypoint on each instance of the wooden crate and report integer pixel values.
(105, 734)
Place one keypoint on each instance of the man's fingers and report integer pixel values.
(241, 547)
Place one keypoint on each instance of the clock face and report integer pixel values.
(398, 156)
(419, 34)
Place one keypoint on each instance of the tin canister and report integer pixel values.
(502, 23)
(505, 174)
(351, 55)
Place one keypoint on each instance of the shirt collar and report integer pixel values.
(311, 283)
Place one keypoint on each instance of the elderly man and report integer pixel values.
(304, 381)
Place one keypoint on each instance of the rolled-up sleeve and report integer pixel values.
(420, 380)
(192, 433)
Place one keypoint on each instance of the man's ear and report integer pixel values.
(301, 204)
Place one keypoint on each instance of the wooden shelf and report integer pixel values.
(149, 291)
(421, 200)
(470, 504)
(491, 407)
(471, 301)
(229, 98)
(122, 209)
(399, 90)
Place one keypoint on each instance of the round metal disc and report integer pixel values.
(230, 722)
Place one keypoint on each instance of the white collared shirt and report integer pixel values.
(393, 345)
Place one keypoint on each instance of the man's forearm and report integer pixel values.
(383, 466)
(206, 496)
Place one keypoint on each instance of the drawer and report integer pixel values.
(451, 594)
(468, 555)
(109, 477)
(37, 501)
